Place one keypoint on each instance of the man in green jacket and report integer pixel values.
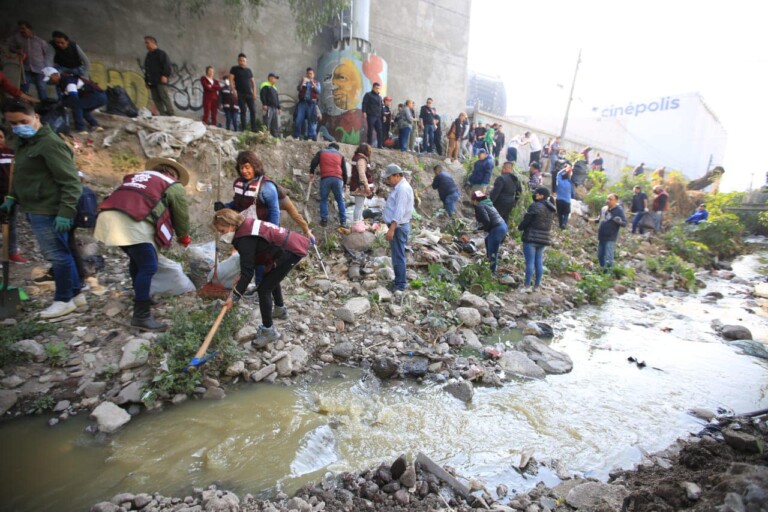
(47, 187)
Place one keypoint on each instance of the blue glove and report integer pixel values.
(312, 240)
(7, 204)
(62, 224)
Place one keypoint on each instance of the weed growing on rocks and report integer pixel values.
(57, 353)
(42, 404)
(593, 287)
(23, 330)
(676, 268)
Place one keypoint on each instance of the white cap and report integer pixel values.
(48, 71)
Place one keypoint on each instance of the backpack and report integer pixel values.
(119, 103)
(87, 209)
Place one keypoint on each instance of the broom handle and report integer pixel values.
(6, 220)
(209, 337)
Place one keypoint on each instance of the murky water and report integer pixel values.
(601, 415)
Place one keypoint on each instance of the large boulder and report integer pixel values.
(594, 495)
(462, 390)
(736, 332)
(30, 348)
(352, 309)
(470, 317)
(110, 417)
(520, 364)
(8, 399)
(473, 301)
(358, 242)
(549, 359)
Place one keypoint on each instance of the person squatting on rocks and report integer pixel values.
(157, 71)
(270, 104)
(490, 221)
(506, 191)
(639, 207)
(565, 191)
(333, 178)
(700, 215)
(446, 189)
(47, 188)
(610, 221)
(261, 244)
(79, 94)
(398, 211)
(309, 92)
(141, 215)
(6, 158)
(481, 173)
(211, 88)
(361, 183)
(535, 226)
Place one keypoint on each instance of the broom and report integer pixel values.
(213, 289)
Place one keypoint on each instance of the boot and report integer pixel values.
(142, 317)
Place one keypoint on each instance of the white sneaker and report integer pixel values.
(57, 309)
(80, 301)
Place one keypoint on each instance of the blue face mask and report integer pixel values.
(24, 131)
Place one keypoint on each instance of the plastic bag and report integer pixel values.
(201, 260)
(119, 103)
(647, 221)
(170, 278)
(55, 114)
(228, 271)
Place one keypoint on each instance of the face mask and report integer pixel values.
(227, 237)
(24, 131)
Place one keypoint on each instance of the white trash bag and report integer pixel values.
(229, 270)
(170, 278)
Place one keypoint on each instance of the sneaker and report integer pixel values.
(82, 132)
(280, 312)
(17, 258)
(57, 309)
(80, 301)
(99, 128)
(264, 336)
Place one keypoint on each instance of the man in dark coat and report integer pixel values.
(373, 112)
(535, 226)
(157, 71)
(506, 191)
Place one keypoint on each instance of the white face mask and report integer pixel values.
(227, 237)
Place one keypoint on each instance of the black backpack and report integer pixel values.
(87, 209)
(119, 103)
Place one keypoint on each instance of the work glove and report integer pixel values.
(7, 204)
(218, 205)
(312, 239)
(62, 224)
(184, 240)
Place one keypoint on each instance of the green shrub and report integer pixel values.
(557, 263)
(721, 233)
(57, 353)
(679, 270)
(23, 330)
(625, 275)
(596, 180)
(677, 239)
(43, 404)
(593, 287)
(478, 273)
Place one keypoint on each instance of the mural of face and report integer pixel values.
(347, 85)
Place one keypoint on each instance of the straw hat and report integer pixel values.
(180, 169)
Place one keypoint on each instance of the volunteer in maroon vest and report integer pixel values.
(141, 214)
(262, 243)
(333, 178)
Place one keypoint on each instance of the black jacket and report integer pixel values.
(269, 97)
(537, 222)
(156, 64)
(486, 215)
(373, 105)
(506, 190)
(610, 222)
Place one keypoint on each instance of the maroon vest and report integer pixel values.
(138, 196)
(330, 164)
(247, 192)
(275, 235)
(354, 180)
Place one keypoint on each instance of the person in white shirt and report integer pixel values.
(535, 143)
(397, 216)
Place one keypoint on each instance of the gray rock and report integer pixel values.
(742, 441)
(398, 467)
(751, 348)
(473, 301)
(11, 382)
(701, 413)
(119, 499)
(692, 491)
(61, 406)
(246, 334)
(263, 373)
(403, 497)
(110, 417)
(592, 495)
(548, 503)
(736, 332)
(235, 369)
(285, 366)
(469, 316)
(141, 500)
(415, 366)
(732, 503)
(358, 242)
(31, 348)
(179, 398)
(228, 502)
(92, 389)
(214, 394)
(130, 394)
(454, 339)
(352, 309)
(520, 364)
(549, 359)
(135, 354)
(343, 350)
(384, 294)
(386, 274)
(7, 400)
(299, 357)
(471, 339)
(105, 506)
(408, 478)
(384, 367)
(299, 504)
(462, 390)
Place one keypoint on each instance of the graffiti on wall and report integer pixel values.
(346, 76)
(131, 81)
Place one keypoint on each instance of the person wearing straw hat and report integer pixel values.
(141, 214)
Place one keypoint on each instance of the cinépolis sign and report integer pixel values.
(635, 109)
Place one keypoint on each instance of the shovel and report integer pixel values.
(10, 298)
(200, 357)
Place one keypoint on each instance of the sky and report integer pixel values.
(634, 50)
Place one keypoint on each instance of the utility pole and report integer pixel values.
(570, 97)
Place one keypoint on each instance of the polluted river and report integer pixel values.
(607, 413)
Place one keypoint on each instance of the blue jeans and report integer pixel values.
(55, 248)
(374, 124)
(450, 203)
(397, 248)
(429, 138)
(327, 185)
(534, 260)
(305, 112)
(142, 267)
(492, 243)
(657, 216)
(35, 79)
(82, 106)
(511, 154)
(605, 251)
(636, 221)
(404, 136)
(232, 116)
